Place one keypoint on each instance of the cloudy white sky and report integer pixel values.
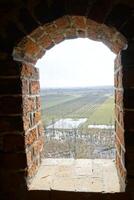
(77, 63)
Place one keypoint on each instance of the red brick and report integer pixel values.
(31, 136)
(119, 116)
(119, 98)
(57, 37)
(71, 33)
(26, 121)
(118, 146)
(29, 104)
(63, 23)
(37, 117)
(92, 29)
(117, 62)
(49, 28)
(40, 54)
(46, 42)
(37, 33)
(81, 33)
(34, 87)
(38, 146)
(25, 87)
(79, 22)
(38, 103)
(118, 79)
(120, 133)
(120, 167)
(41, 130)
(33, 169)
(29, 158)
(27, 46)
(29, 71)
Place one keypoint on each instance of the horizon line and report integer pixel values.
(77, 87)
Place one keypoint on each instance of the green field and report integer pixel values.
(95, 104)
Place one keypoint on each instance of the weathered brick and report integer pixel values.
(29, 104)
(49, 28)
(120, 167)
(41, 53)
(120, 133)
(92, 29)
(38, 146)
(81, 33)
(25, 87)
(63, 23)
(37, 33)
(37, 117)
(29, 71)
(26, 121)
(41, 130)
(119, 98)
(34, 87)
(29, 47)
(117, 62)
(38, 103)
(46, 42)
(29, 158)
(79, 22)
(31, 136)
(57, 37)
(33, 169)
(119, 116)
(118, 146)
(118, 79)
(71, 33)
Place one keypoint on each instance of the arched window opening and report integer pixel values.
(77, 91)
(26, 53)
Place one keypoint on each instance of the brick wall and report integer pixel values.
(127, 60)
(34, 133)
(119, 121)
(13, 161)
(21, 131)
(21, 139)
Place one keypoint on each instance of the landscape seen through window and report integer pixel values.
(77, 96)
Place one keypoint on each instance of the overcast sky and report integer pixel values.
(77, 63)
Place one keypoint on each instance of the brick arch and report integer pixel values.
(32, 48)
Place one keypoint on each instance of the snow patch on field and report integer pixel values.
(101, 126)
(67, 123)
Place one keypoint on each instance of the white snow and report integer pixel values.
(101, 126)
(67, 123)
